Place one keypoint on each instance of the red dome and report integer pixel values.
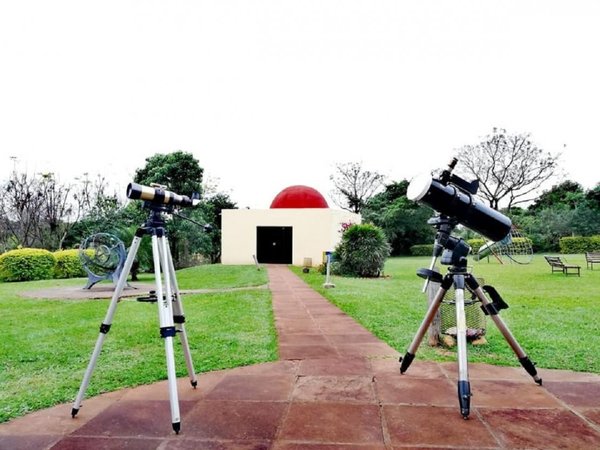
(299, 197)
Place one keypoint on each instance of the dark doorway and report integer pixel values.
(274, 245)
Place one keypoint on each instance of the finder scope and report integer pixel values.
(454, 197)
(159, 195)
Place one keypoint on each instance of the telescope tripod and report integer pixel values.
(170, 310)
(455, 251)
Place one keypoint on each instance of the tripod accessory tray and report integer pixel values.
(446, 324)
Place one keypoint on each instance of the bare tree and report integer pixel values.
(21, 201)
(90, 197)
(354, 185)
(510, 167)
(57, 211)
(40, 210)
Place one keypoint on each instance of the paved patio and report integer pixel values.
(335, 386)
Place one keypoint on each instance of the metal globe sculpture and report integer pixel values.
(102, 256)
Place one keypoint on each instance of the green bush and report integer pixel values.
(475, 244)
(579, 244)
(26, 264)
(68, 264)
(362, 251)
(334, 268)
(421, 250)
(427, 249)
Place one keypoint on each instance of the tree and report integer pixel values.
(593, 197)
(208, 243)
(43, 212)
(403, 221)
(21, 203)
(354, 185)
(563, 210)
(510, 167)
(179, 171)
(568, 194)
(57, 212)
(98, 211)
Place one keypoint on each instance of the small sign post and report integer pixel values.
(328, 283)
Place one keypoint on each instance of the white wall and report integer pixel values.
(315, 230)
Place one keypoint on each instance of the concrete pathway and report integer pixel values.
(335, 386)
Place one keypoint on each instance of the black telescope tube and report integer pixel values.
(156, 195)
(451, 201)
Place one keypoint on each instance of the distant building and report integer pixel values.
(299, 227)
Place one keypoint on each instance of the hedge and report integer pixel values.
(68, 264)
(427, 249)
(579, 244)
(475, 244)
(421, 250)
(26, 264)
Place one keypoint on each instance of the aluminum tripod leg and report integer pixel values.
(464, 387)
(429, 316)
(493, 312)
(107, 322)
(165, 316)
(179, 319)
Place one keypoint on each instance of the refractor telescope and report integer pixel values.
(455, 198)
(158, 195)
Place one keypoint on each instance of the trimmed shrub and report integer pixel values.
(26, 264)
(475, 244)
(579, 244)
(333, 268)
(427, 249)
(421, 250)
(68, 264)
(362, 251)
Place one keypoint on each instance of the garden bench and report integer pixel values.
(592, 258)
(558, 265)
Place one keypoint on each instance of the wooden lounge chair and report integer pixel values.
(592, 258)
(558, 265)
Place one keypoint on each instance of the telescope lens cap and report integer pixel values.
(418, 187)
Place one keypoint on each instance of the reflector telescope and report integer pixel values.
(454, 197)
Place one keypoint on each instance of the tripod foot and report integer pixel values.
(530, 368)
(406, 361)
(464, 398)
(194, 383)
(74, 412)
(176, 427)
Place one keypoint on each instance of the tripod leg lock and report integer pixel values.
(179, 319)
(166, 332)
(104, 328)
(492, 309)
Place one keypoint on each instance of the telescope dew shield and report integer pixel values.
(453, 202)
(157, 195)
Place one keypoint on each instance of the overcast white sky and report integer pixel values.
(271, 93)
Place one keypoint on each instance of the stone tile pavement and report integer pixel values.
(335, 386)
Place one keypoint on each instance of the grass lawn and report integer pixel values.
(46, 344)
(555, 318)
